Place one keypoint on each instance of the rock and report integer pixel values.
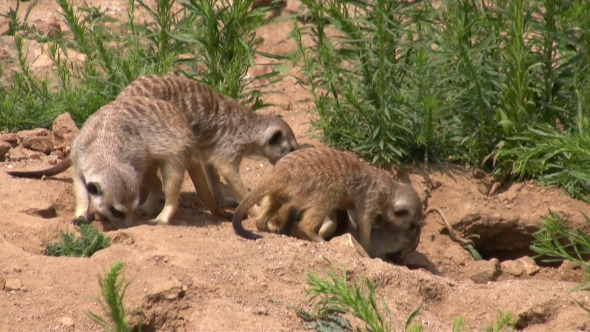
(63, 133)
(484, 271)
(10, 138)
(4, 148)
(38, 143)
(512, 267)
(52, 28)
(58, 154)
(168, 289)
(19, 153)
(2, 283)
(24, 134)
(529, 265)
(348, 240)
(13, 284)
(41, 209)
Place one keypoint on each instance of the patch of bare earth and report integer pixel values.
(197, 275)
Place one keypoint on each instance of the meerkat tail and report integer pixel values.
(58, 168)
(239, 228)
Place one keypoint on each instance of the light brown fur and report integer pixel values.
(225, 131)
(386, 215)
(120, 149)
(118, 153)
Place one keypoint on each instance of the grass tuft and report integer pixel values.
(335, 296)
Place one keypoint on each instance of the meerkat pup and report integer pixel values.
(119, 151)
(320, 184)
(225, 131)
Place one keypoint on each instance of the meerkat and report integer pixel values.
(321, 183)
(119, 151)
(225, 131)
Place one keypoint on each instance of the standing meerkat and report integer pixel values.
(118, 152)
(319, 184)
(225, 131)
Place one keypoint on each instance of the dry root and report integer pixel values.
(450, 229)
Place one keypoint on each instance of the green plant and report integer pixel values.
(212, 41)
(335, 296)
(223, 42)
(112, 292)
(503, 323)
(361, 80)
(555, 243)
(499, 84)
(90, 241)
(324, 322)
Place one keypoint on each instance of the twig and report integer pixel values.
(450, 229)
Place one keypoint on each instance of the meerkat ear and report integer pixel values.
(94, 189)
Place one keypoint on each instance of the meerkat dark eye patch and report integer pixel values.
(93, 188)
(401, 213)
(276, 138)
(116, 213)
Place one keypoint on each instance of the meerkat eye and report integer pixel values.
(93, 189)
(276, 138)
(116, 213)
(401, 212)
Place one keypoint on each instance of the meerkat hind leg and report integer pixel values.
(268, 208)
(215, 185)
(307, 227)
(199, 179)
(151, 182)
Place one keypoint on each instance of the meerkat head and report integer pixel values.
(397, 231)
(277, 140)
(114, 196)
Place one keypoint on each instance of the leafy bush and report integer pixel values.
(211, 41)
(493, 83)
(90, 241)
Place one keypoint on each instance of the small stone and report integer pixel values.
(19, 154)
(348, 240)
(2, 283)
(53, 28)
(4, 148)
(66, 321)
(484, 271)
(529, 265)
(38, 143)
(13, 284)
(512, 267)
(10, 138)
(57, 153)
(24, 134)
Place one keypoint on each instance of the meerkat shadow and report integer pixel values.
(192, 212)
(56, 179)
(417, 260)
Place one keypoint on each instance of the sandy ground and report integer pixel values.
(197, 275)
